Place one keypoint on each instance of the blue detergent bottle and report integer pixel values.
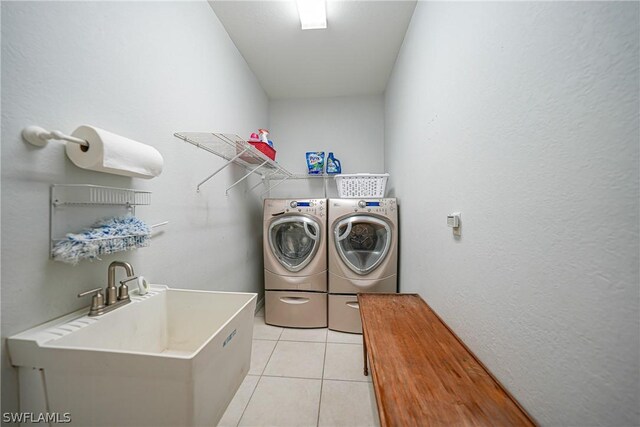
(333, 165)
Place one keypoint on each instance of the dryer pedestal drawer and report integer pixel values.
(342, 285)
(344, 313)
(316, 282)
(295, 309)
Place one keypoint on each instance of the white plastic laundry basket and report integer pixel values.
(358, 185)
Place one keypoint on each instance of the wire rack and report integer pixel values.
(235, 150)
(76, 207)
(94, 248)
(85, 194)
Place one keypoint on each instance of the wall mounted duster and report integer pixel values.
(102, 151)
(88, 221)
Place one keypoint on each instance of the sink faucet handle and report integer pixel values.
(92, 291)
(128, 279)
(97, 301)
(123, 291)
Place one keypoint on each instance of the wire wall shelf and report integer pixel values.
(235, 150)
(84, 194)
(78, 207)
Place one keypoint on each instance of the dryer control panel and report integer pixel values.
(307, 206)
(379, 206)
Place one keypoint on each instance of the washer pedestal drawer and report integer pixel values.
(344, 313)
(295, 309)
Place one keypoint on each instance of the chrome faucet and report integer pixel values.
(115, 297)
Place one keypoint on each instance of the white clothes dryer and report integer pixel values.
(295, 262)
(363, 256)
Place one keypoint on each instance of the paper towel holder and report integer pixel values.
(40, 137)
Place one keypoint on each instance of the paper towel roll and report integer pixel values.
(111, 153)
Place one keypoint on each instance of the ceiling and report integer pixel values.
(353, 56)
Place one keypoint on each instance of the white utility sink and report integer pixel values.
(169, 358)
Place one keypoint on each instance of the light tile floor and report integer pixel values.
(303, 377)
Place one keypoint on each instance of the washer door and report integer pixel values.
(294, 240)
(363, 242)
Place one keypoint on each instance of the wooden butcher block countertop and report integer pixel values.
(422, 373)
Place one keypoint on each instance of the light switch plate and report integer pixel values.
(453, 220)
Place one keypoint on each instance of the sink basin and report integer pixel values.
(169, 358)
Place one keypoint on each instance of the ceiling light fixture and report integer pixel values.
(313, 14)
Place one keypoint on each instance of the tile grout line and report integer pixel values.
(268, 360)
(317, 342)
(326, 339)
(324, 361)
(314, 379)
(259, 379)
(248, 401)
(322, 379)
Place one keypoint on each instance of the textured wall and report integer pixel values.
(351, 127)
(143, 70)
(524, 117)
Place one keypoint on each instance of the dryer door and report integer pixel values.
(294, 240)
(363, 242)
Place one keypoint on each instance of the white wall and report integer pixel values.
(524, 117)
(351, 127)
(143, 70)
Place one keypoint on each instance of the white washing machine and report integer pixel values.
(363, 256)
(295, 262)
